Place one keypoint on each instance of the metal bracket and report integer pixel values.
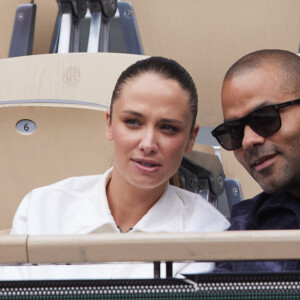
(107, 7)
(72, 11)
(202, 173)
(101, 12)
(77, 8)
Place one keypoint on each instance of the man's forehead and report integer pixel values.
(246, 92)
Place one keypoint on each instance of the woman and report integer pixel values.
(152, 124)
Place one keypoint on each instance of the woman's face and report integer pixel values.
(151, 130)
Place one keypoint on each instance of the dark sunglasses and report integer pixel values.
(264, 121)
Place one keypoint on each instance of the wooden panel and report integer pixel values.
(68, 141)
(88, 77)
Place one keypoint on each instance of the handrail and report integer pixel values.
(149, 247)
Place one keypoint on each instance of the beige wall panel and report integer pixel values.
(46, 14)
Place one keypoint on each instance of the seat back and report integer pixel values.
(68, 141)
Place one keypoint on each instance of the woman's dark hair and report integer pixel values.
(167, 69)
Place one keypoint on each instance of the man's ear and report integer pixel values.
(108, 132)
(190, 144)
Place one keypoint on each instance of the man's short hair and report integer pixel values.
(288, 65)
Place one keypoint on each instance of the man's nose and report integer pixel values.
(251, 138)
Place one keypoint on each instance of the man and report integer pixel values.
(261, 108)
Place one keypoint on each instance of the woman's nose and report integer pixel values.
(148, 142)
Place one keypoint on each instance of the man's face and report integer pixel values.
(273, 161)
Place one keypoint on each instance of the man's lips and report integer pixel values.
(263, 161)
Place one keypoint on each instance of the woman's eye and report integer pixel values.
(131, 122)
(169, 129)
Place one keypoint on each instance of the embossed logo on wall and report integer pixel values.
(71, 75)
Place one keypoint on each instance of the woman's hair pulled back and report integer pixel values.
(167, 69)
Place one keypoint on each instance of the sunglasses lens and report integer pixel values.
(265, 121)
(230, 135)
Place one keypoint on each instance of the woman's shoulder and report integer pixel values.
(76, 183)
(73, 185)
(199, 211)
(72, 190)
(188, 197)
(62, 207)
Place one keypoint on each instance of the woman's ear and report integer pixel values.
(108, 132)
(190, 144)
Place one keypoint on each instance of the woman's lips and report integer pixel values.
(146, 166)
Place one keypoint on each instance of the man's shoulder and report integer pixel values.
(252, 201)
(243, 212)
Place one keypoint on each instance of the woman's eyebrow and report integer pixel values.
(163, 120)
(132, 112)
(171, 121)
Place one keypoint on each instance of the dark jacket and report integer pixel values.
(265, 211)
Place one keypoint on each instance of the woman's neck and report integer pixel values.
(127, 203)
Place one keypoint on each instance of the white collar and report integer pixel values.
(160, 217)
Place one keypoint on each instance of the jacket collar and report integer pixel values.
(164, 210)
(99, 218)
(280, 210)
